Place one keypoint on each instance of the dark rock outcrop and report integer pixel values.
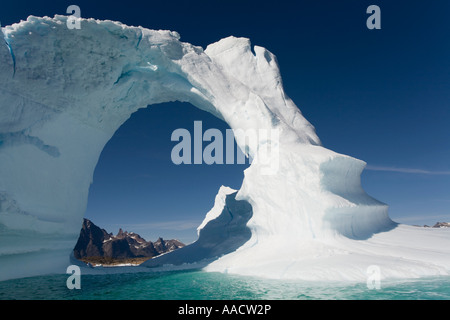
(442, 225)
(96, 242)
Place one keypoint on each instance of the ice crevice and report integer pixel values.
(18, 138)
(11, 52)
(72, 89)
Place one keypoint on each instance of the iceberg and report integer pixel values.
(64, 92)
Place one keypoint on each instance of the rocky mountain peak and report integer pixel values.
(97, 242)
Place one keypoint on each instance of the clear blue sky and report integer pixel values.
(382, 96)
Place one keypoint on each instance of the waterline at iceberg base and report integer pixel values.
(64, 92)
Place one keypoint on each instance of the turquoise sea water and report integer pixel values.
(200, 285)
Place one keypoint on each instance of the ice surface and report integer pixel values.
(64, 92)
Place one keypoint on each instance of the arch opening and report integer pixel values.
(137, 187)
(135, 174)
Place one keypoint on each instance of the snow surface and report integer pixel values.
(64, 92)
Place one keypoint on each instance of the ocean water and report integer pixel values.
(200, 285)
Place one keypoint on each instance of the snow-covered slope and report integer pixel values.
(64, 92)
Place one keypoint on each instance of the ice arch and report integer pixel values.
(64, 92)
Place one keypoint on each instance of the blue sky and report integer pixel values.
(382, 96)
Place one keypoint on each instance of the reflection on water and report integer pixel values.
(203, 285)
